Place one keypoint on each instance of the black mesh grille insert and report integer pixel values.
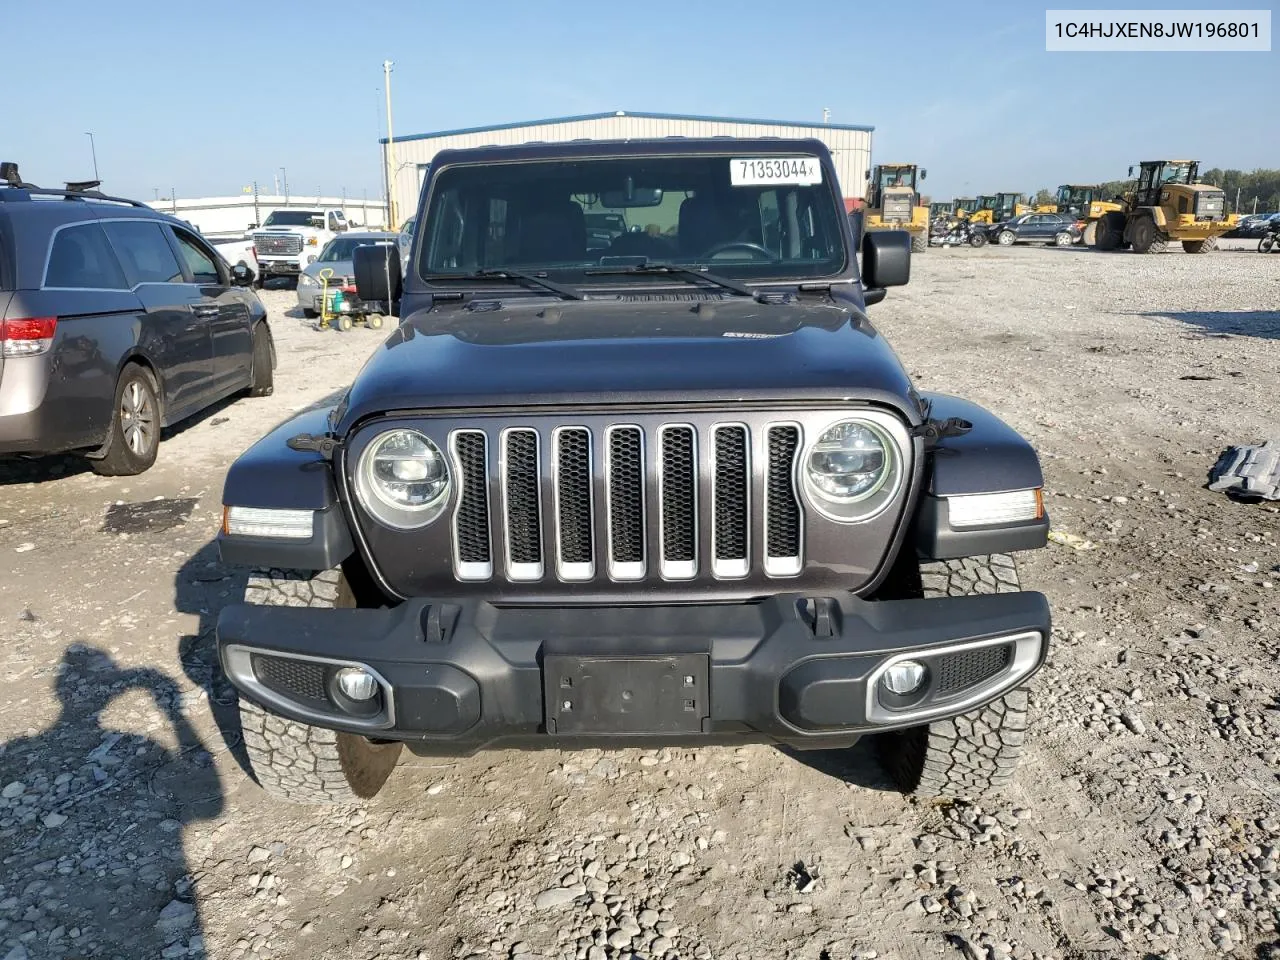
(956, 671)
(679, 531)
(731, 493)
(299, 679)
(784, 512)
(574, 495)
(523, 519)
(473, 508)
(626, 495)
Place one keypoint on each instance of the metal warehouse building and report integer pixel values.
(409, 156)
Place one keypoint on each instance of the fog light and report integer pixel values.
(903, 677)
(357, 683)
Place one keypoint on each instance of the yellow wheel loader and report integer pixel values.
(1085, 202)
(966, 207)
(893, 202)
(942, 208)
(1168, 202)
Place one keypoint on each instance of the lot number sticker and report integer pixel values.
(748, 172)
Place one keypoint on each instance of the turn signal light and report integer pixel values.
(982, 509)
(27, 336)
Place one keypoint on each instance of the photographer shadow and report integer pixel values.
(92, 821)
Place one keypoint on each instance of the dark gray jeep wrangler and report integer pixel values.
(635, 469)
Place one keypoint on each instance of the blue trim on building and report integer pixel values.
(626, 113)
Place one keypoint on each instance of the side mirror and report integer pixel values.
(1131, 171)
(241, 276)
(378, 275)
(923, 173)
(867, 175)
(886, 259)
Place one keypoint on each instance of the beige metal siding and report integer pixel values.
(850, 149)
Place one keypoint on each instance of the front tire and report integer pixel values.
(978, 239)
(295, 761)
(1063, 239)
(978, 752)
(134, 437)
(1265, 244)
(1208, 245)
(262, 376)
(920, 242)
(1147, 237)
(1005, 238)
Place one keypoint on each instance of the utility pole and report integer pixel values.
(1237, 206)
(284, 175)
(173, 199)
(257, 217)
(94, 151)
(391, 149)
(275, 179)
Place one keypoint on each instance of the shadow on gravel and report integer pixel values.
(1240, 323)
(91, 822)
(858, 765)
(203, 587)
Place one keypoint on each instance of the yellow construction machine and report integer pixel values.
(966, 207)
(1167, 202)
(893, 202)
(1084, 202)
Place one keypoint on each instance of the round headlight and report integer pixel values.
(403, 479)
(852, 470)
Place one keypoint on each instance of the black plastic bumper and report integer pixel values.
(460, 676)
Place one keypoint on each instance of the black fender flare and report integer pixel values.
(990, 457)
(272, 475)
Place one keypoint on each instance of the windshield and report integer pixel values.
(970, 205)
(292, 218)
(340, 249)
(901, 177)
(1176, 173)
(1074, 196)
(567, 216)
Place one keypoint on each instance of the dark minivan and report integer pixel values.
(115, 322)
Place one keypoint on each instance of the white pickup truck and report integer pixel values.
(288, 240)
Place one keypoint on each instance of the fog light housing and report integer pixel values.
(903, 678)
(357, 683)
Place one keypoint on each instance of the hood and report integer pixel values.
(602, 352)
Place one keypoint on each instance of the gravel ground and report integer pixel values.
(1145, 821)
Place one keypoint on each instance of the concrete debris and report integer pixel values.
(1249, 472)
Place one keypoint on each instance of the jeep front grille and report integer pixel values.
(276, 245)
(579, 503)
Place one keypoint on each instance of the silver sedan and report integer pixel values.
(336, 258)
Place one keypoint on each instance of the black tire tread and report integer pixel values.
(262, 383)
(977, 753)
(1207, 245)
(295, 761)
(117, 459)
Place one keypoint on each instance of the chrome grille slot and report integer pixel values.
(521, 502)
(471, 543)
(782, 509)
(624, 502)
(625, 470)
(575, 554)
(730, 496)
(678, 484)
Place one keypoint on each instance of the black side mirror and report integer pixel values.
(855, 226)
(241, 276)
(886, 259)
(378, 276)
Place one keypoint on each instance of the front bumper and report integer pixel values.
(280, 268)
(458, 676)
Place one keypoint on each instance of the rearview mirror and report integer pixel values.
(378, 275)
(886, 259)
(632, 196)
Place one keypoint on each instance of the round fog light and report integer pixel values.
(903, 677)
(357, 683)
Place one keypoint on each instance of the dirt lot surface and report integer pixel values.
(1145, 821)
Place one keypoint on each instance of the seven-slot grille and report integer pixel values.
(609, 487)
(278, 244)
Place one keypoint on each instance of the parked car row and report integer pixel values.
(1256, 225)
(116, 321)
(1054, 229)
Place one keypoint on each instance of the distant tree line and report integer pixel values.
(1262, 186)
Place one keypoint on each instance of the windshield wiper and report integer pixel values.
(691, 271)
(502, 273)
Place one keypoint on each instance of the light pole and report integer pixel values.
(94, 150)
(284, 175)
(391, 149)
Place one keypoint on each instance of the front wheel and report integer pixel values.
(296, 761)
(978, 240)
(1208, 245)
(919, 242)
(975, 753)
(1005, 238)
(1064, 239)
(1266, 244)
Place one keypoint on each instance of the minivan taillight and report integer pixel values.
(26, 337)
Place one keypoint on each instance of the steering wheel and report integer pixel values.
(754, 248)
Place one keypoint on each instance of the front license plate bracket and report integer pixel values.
(620, 696)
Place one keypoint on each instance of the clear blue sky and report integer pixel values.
(205, 98)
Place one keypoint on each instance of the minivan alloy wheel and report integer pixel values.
(137, 418)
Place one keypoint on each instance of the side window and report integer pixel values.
(143, 251)
(334, 222)
(81, 258)
(201, 265)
